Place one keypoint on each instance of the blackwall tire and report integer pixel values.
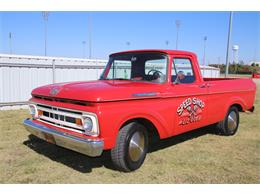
(131, 147)
(230, 124)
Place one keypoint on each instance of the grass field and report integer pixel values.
(195, 157)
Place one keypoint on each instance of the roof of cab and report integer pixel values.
(170, 52)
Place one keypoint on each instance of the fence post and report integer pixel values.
(53, 71)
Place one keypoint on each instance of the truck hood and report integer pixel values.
(99, 91)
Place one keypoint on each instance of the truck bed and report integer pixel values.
(242, 89)
(230, 84)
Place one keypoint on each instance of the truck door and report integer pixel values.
(189, 95)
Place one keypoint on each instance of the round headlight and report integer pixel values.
(33, 111)
(87, 124)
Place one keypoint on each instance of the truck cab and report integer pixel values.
(139, 94)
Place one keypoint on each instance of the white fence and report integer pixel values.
(20, 74)
(209, 72)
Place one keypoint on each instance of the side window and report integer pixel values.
(182, 71)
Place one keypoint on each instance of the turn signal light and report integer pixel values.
(40, 112)
(78, 121)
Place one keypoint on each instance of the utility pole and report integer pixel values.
(218, 61)
(228, 42)
(204, 54)
(45, 16)
(177, 23)
(10, 42)
(90, 36)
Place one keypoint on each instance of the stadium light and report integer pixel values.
(204, 54)
(45, 16)
(90, 35)
(178, 24)
(167, 43)
(10, 42)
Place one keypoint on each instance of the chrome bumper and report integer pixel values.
(85, 146)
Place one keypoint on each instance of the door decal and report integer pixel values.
(190, 110)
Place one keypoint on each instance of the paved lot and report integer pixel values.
(257, 81)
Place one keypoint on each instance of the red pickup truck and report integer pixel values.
(140, 93)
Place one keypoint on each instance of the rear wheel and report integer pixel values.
(230, 124)
(131, 147)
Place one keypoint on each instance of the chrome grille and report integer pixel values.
(60, 117)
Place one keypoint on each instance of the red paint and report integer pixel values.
(256, 75)
(172, 108)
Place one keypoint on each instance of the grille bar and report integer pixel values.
(56, 110)
(62, 123)
(60, 117)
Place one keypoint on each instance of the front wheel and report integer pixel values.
(230, 124)
(131, 147)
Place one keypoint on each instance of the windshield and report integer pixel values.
(148, 67)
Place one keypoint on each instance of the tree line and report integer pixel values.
(238, 68)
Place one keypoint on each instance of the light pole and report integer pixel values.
(204, 54)
(10, 42)
(84, 49)
(45, 16)
(177, 23)
(167, 43)
(90, 36)
(228, 42)
(218, 61)
(128, 43)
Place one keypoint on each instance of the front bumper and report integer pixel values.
(85, 146)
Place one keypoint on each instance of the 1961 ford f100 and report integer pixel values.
(139, 94)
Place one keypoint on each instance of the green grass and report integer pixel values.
(195, 157)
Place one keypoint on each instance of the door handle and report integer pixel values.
(202, 86)
(209, 85)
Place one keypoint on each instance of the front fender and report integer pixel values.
(113, 116)
(162, 126)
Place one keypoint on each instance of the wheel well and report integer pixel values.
(151, 129)
(238, 106)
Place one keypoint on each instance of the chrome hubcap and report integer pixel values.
(136, 146)
(232, 121)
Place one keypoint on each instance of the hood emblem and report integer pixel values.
(54, 91)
